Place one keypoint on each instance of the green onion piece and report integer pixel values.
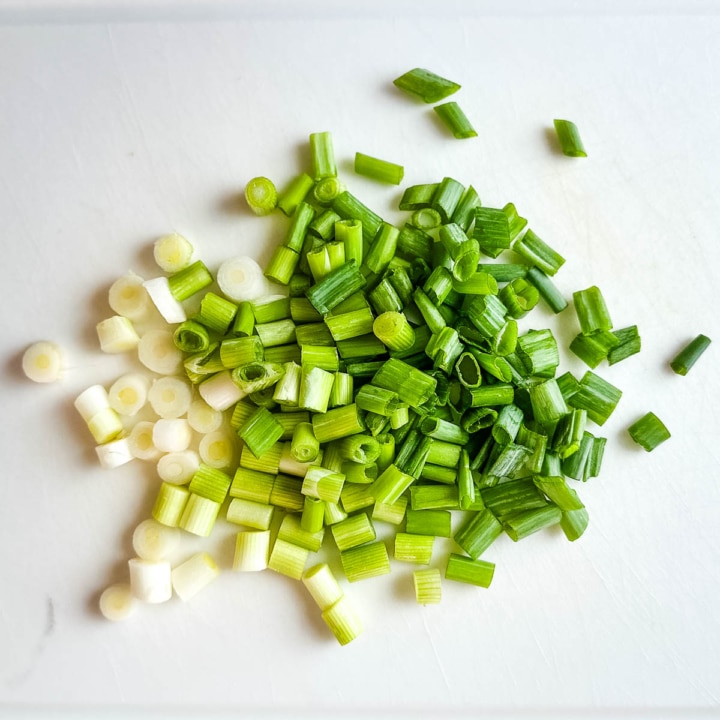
(283, 353)
(509, 460)
(488, 395)
(386, 443)
(478, 418)
(548, 292)
(468, 371)
(383, 298)
(508, 422)
(335, 287)
(358, 472)
(334, 514)
(494, 230)
(592, 312)
(349, 232)
(432, 316)
(365, 561)
(261, 195)
(438, 474)
(393, 513)
(244, 323)
(252, 485)
(649, 431)
(504, 272)
(593, 349)
(253, 377)
(191, 337)
(260, 431)
(447, 197)
(359, 448)
(170, 504)
(394, 331)
(512, 497)
(315, 333)
(348, 325)
(400, 280)
(417, 197)
(271, 309)
(211, 483)
(288, 559)
(426, 219)
(356, 530)
(199, 515)
(252, 514)
(574, 523)
(280, 332)
(568, 385)
(487, 313)
(519, 297)
(322, 155)
(342, 390)
(551, 465)
(433, 497)
(286, 493)
(439, 429)
(689, 355)
(414, 548)
(377, 169)
(428, 586)
(302, 311)
(343, 621)
(326, 190)
(628, 344)
(526, 522)
(597, 396)
(187, 282)
(444, 348)
(466, 570)
(282, 265)
(313, 514)
(537, 253)
(298, 284)
(287, 389)
(377, 400)
(413, 386)
(456, 120)
(569, 138)
(466, 485)
(559, 493)
(426, 85)
(390, 485)
(289, 419)
(293, 195)
(235, 352)
(323, 228)
(414, 243)
(548, 403)
(464, 251)
(382, 248)
(301, 219)
(569, 433)
(315, 387)
(429, 522)
(320, 356)
(478, 533)
(356, 497)
(304, 446)
(322, 585)
(251, 551)
(438, 285)
(348, 207)
(464, 213)
(337, 423)
(539, 353)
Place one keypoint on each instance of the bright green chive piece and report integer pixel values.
(548, 292)
(283, 353)
(294, 194)
(592, 312)
(489, 395)
(559, 493)
(428, 586)
(593, 349)
(568, 385)
(301, 219)
(250, 514)
(337, 423)
(377, 169)
(574, 523)
(360, 473)
(394, 331)
(512, 497)
(539, 353)
(336, 286)
(320, 356)
(322, 155)
(244, 323)
(390, 485)
(365, 561)
(304, 446)
(507, 424)
(348, 207)
(253, 377)
(383, 298)
(287, 389)
(434, 497)
(360, 348)
(235, 352)
(382, 248)
(260, 431)
(342, 390)
(430, 313)
(313, 514)
(414, 243)
(290, 420)
(464, 213)
(426, 219)
(585, 463)
(504, 272)
(326, 190)
(509, 461)
(548, 403)
(314, 334)
(439, 474)
(417, 197)
(478, 533)
(494, 230)
(360, 448)
(689, 355)
(628, 344)
(323, 228)
(261, 195)
(536, 443)
(440, 429)
(282, 265)
(298, 285)
(464, 251)
(442, 452)
(520, 525)
(280, 332)
(315, 388)
(538, 253)
(429, 522)
(356, 530)
(519, 297)
(597, 396)
(569, 433)
(649, 431)
(187, 282)
(438, 285)
(487, 313)
(266, 311)
(191, 337)
(414, 548)
(348, 325)
(444, 348)
(466, 570)
(569, 138)
(211, 483)
(252, 485)
(170, 504)
(291, 531)
(479, 418)
(426, 85)
(447, 197)
(334, 514)
(376, 399)
(356, 497)
(350, 233)
(455, 119)
(413, 386)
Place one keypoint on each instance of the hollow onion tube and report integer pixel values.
(649, 431)
(170, 397)
(261, 195)
(117, 602)
(240, 278)
(343, 620)
(569, 138)
(172, 252)
(42, 362)
(322, 585)
(129, 393)
(128, 297)
(171, 309)
(426, 85)
(218, 449)
(428, 586)
(141, 441)
(157, 352)
(220, 392)
(455, 119)
(377, 169)
(690, 354)
(193, 575)
(171, 435)
(114, 453)
(252, 548)
(177, 468)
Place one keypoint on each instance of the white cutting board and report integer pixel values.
(112, 133)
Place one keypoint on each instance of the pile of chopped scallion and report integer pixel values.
(390, 384)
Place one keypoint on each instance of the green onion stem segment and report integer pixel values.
(689, 355)
(592, 312)
(455, 119)
(323, 155)
(466, 570)
(365, 561)
(426, 85)
(569, 138)
(478, 533)
(649, 431)
(414, 548)
(261, 195)
(378, 169)
(428, 586)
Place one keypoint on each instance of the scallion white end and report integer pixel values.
(192, 576)
(117, 602)
(128, 297)
(153, 541)
(241, 278)
(42, 362)
(114, 453)
(117, 335)
(150, 581)
(173, 252)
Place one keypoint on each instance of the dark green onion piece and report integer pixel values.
(414, 243)
(539, 352)
(504, 272)
(426, 85)
(519, 297)
(628, 344)
(569, 433)
(559, 493)
(574, 523)
(301, 219)
(597, 396)
(383, 298)
(568, 385)
(323, 155)
(428, 522)
(191, 337)
(260, 432)
(464, 214)
(649, 431)
(548, 403)
(478, 533)
(417, 197)
(293, 194)
(478, 283)
(382, 248)
(336, 286)
(190, 280)
(466, 570)
(456, 120)
(433, 497)
(488, 395)
(348, 207)
(522, 524)
(447, 197)
(507, 424)
(592, 312)
(569, 138)
(689, 355)
(548, 292)
(593, 349)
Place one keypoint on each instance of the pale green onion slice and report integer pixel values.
(42, 362)
(247, 512)
(220, 391)
(218, 449)
(128, 297)
(170, 504)
(428, 586)
(171, 434)
(117, 602)
(117, 335)
(343, 621)
(105, 426)
(288, 559)
(173, 252)
(192, 576)
(241, 278)
(199, 515)
(91, 401)
(252, 548)
(142, 445)
(322, 585)
(129, 393)
(154, 541)
(261, 195)
(150, 581)
(177, 468)
(114, 453)
(158, 289)
(157, 352)
(203, 418)
(170, 397)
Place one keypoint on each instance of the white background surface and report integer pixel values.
(113, 133)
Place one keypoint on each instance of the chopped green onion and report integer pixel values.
(649, 431)
(559, 493)
(426, 85)
(352, 532)
(689, 355)
(414, 548)
(365, 561)
(628, 344)
(315, 387)
(326, 190)
(478, 533)
(592, 312)
(288, 559)
(574, 523)
(190, 280)
(434, 497)
(293, 195)
(597, 396)
(377, 169)
(466, 570)
(252, 514)
(170, 504)
(519, 297)
(539, 352)
(456, 120)
(524, 523)
(191, 337)
(199, 515)
(323, 155)
(393, 513)
(593, 349)
(343, 621)
(304, 446)
(252, 548)
(512, 497)
(261, 195)
(537, 253)
(569, 138)
(260, 431)
(211, 483)
(282, 264)
(428, 586)
(548, 292)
